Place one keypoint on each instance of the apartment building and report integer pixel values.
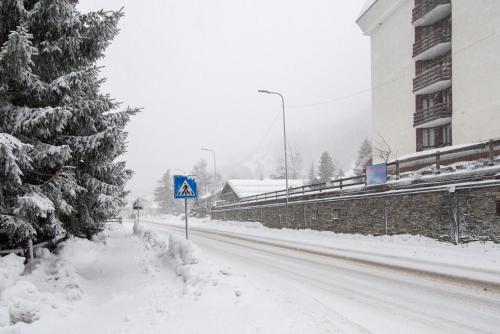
(435, 72)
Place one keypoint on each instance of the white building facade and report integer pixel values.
(435, 72)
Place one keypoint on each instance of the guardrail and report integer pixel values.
(115, 220)
(394, 168)
(426, 42)
(439, 72)
(30, 250)
(425, 6)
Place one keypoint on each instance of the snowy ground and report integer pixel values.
(245, 278)
(125, 283)
(478, 260)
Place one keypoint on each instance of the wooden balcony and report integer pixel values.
(438, 114)
(432, 45)
(427, 12)
(434, 78)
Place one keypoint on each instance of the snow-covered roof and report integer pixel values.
(246, 188)
(368, 4)
(210, 194)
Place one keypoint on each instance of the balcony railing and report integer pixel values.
(437, 111)
(425, 6)
(438, 72)
(440, 35)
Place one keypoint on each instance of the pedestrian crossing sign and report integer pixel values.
(185, 187)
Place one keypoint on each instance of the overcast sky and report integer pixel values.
(195, 67)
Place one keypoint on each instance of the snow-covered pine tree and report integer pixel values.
(163, 194)
(204, 179)
(311, 177)
(339, 173)
(364, 157)
(59, 136)
(326, 169)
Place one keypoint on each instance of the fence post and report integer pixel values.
(305, 218)
(341, 183)
(397, 169)
(364, 176)
(386, 208)
(438, 162)
(491, 148)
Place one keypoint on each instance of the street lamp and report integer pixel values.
(284, 144)
(215, 168)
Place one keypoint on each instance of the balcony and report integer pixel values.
(427, 12)
(434, 78)
(437, 115)
(433, 45)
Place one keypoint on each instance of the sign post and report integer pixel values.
(186, 215)
(185, 187)
(137, 206)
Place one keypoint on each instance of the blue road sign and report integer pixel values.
(185, 187)
(376, 174)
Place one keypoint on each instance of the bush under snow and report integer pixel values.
(50, 282)
(183, 256)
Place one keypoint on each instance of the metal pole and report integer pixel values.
(186, 215)
(284, 141)
(286, 160)
(385, 216)
(457, 232)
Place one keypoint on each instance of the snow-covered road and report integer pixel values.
(354, 292)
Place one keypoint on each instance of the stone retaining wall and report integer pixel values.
(429, 214)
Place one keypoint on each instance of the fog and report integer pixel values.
(195, 67)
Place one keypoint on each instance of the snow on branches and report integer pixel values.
(59, 136)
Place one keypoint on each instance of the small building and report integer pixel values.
(238, 189)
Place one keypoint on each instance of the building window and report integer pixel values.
(429, 138)
(446, 135)
(335, 214)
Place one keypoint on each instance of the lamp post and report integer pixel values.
(215, 168)
(284, 145)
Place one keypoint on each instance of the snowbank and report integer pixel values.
(408, 249)
(48, 283)
(183, 256)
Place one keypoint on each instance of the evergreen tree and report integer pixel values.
(204, 179)
(326, 169)
(364, 157)
(59, 136)
(312, 178)
(163, 194)
(339, 173)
